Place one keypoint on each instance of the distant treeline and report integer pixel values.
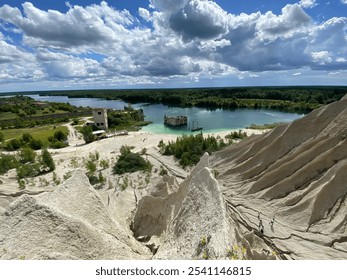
(294, 99)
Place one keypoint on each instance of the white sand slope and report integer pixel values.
(296, 175)
(70, 223)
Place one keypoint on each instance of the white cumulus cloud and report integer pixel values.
(189, 39)
(308, 3)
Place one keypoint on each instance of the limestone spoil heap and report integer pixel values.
(290, 185)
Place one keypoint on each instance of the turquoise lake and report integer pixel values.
(211, 120)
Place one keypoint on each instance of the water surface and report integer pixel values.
(211, 120)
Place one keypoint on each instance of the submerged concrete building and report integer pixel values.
(175, 121)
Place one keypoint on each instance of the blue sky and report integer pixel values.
(171, 43)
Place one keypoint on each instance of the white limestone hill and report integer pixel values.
(70, 223)
(289, 186)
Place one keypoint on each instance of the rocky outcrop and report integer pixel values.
(292, 183)
(189, 223)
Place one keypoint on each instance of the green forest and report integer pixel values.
(301, 99)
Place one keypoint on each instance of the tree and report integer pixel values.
(36, 144)
(47, 160)
(87, 133)
(60, 135)
(26, 137)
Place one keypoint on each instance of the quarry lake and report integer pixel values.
(211, 120)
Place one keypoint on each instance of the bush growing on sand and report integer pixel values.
(47, 160)
(189, 148)
(26, 155)
(7, 162)
(87, 132)
(130, 162)
(91, 166)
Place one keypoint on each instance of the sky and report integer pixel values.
(60, 45)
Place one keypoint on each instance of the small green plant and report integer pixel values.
(163, 171)
(104, 164)
(148, 178)
(206, 255)
(101, 178)
(55, 179)
(236, 253)
(67, 175)
(202, 247)
(74, 162)
(21, 184)
(215, 173)
(110, 184)
(203, 241)
(43, 182)
(94, 156)
(125, 183)
(91, 166)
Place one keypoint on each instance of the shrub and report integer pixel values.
(104, 164)
(129, 162)
(60, 135)
(28, 170)
(47, 160)
(27, 155)
(26, 137)
(13, 145)
(7, 162)
(93, 180)
(87, 132)
(162, 171)
(2, 137)
(58, 145)
(189, 149)
(91, 166)
(36, 144)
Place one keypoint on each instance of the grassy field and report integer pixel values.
(7, 116)
(40, 133)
